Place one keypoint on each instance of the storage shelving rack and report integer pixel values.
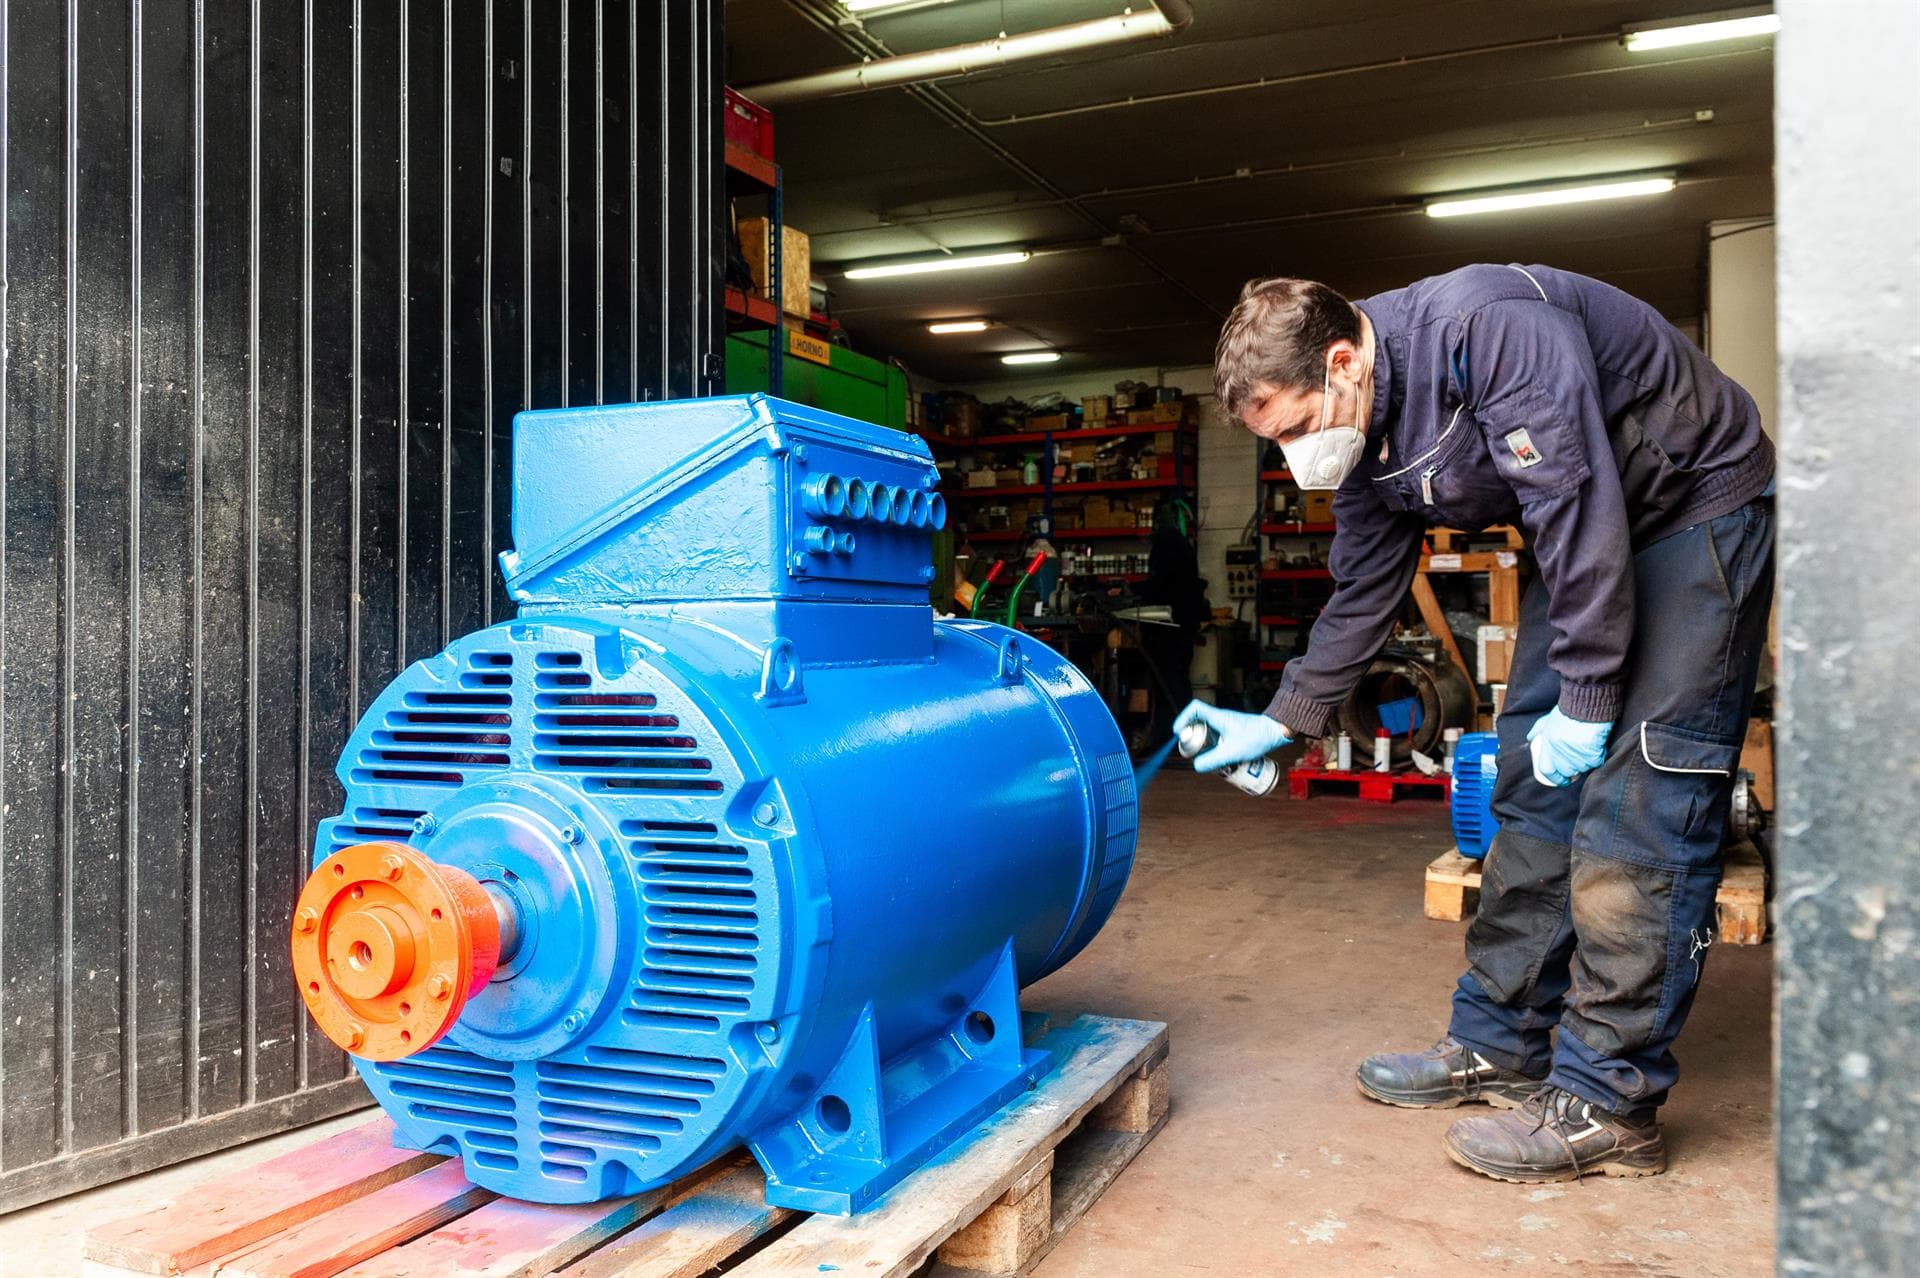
(1180, 483)
(751, 174)
(1307, 595)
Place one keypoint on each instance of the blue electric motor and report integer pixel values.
(725, 839)
(1476, 763)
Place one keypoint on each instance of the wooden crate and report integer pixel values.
(352, 1204)
(1453, 892)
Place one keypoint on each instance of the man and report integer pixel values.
(1642, 479)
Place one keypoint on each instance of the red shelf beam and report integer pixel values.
(1294, 530)
(754, 309)
(758, 168)
(1295, 574)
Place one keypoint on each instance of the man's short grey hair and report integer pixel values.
(1278, 334)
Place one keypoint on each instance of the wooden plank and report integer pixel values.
(1140, 1103)
(512, 1239)
(1435, 619)
(1087, 1163)
(226, 1214)
(1095, 1056)
(1740, 906)
(1009, 1234)
(1453, 886)
(692, 1236)
(1503, 596)
(366, 1227)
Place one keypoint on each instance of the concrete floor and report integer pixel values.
(1284, 941)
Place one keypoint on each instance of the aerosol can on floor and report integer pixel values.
(1256, 777)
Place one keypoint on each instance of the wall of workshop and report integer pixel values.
(1740, 321)
(1229, 456)
(277, 278)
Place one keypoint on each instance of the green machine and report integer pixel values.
(849, 384)
(837, 380)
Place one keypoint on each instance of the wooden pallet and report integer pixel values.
(1374, 787)
(1453, 892)
(352, 1204)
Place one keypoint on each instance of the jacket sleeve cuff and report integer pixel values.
(1591, 702)
(1302, 717)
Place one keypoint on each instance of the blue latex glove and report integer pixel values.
(1242, 737)
(1564, 747)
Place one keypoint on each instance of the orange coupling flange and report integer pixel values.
(388, 947)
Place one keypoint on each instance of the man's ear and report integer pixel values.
(1343, 357)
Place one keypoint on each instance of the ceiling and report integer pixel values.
(1147, 217)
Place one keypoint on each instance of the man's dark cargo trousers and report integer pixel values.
(1596, 901)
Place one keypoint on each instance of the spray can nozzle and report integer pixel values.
(1256, 776)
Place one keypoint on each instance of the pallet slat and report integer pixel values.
(352, 1232)
(225, 1215)
(693, 1235)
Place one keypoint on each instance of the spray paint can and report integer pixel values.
(1452, 737)
(1256, 777)
(1343, 753)
(1382, 751)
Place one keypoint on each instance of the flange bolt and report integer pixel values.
(306, 921)
(391, 868)
(439, 987)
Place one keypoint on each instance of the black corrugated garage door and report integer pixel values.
(277, 276)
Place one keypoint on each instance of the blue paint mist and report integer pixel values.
(1144, 774)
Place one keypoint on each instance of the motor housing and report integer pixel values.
(725, 839)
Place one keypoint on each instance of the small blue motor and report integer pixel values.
(1476, 763)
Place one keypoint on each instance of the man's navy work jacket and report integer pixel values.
(1507, 394)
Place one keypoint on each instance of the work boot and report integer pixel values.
(1557, 1136)
(1447, 1074)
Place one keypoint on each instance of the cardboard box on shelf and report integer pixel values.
(960, 417)
(981, 479)
(796, 263)
(1096, 409)
(1010, 475)
(1052, 421)
(1171, 410)
(1141, 417)
(1316, 507)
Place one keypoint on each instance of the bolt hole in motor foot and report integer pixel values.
(601, 905)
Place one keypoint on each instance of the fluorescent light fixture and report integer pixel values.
(959, 262)
(958, 326)
(1642, 39)
(1031, 357)
(882, 6)
(1579, 191)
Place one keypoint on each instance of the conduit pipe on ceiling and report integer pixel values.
(1160, 18)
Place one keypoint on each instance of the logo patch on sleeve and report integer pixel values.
(1523, 450)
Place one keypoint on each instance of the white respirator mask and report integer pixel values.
(1324, 459)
